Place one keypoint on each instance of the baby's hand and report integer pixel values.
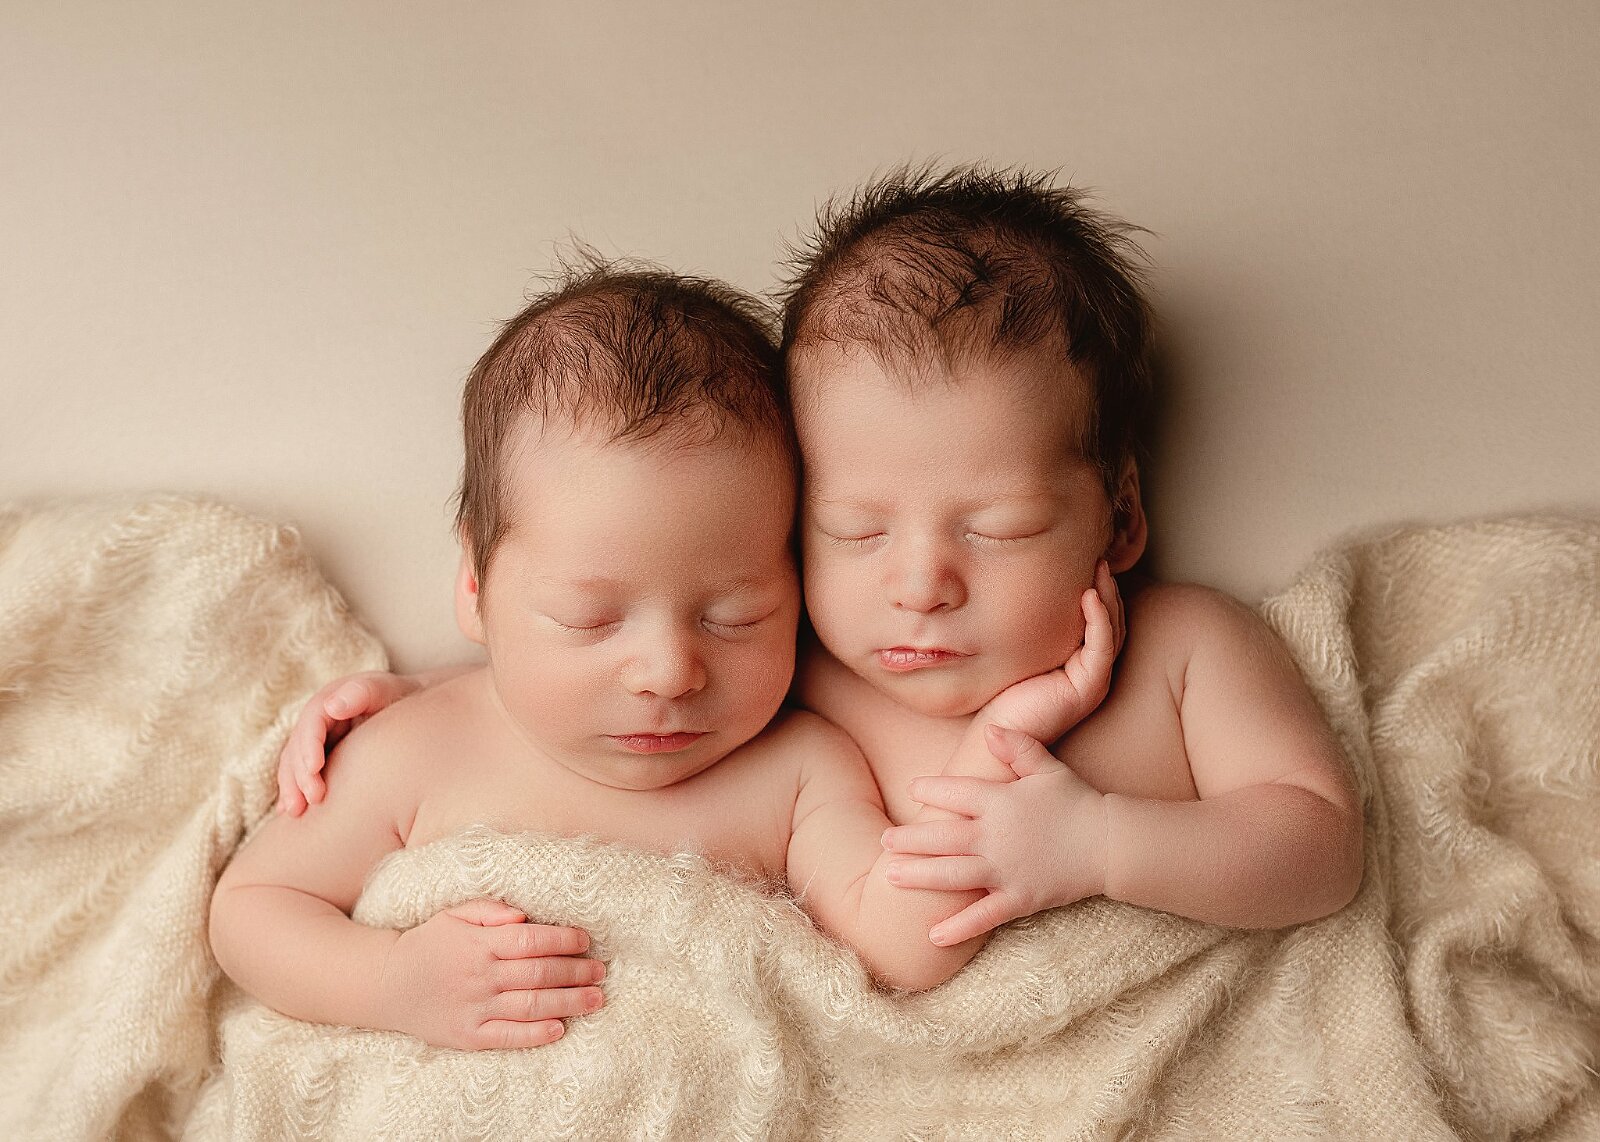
(476, 976)
(1047, 705)
(332, 712)
(1037, 842)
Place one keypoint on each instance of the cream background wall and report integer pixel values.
(252, 250)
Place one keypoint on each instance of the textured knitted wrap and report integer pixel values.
(155, 653)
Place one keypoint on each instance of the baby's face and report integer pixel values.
(948, 531)
(640, 615)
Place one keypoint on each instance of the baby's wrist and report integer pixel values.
(1043, 710)
(388, 1004)
(1105, 858)
(1081, 855)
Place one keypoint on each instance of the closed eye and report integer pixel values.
(576, 628)
(852, 540)
(984, 538)
(737, 628)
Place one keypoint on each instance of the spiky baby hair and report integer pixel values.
(976, 262)
(626, 348)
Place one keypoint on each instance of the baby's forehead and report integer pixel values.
(568, 473)
(581, 504)
(1038, 394)
(1044, 373)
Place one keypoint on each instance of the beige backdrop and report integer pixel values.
(252, 250)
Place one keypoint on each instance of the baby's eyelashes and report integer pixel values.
(852, 540)
(584, 627)
(980, 537)
(735, 628)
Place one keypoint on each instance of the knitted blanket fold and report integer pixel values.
(154, 654)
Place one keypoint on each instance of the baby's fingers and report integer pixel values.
(932, 838)
(506, 1034)
(949, 874)
(546, 1003)
(312, 785)
(290, 800)
(522, 941)
(1089, 670)
(1105, 585)
(1025, 755)
(975, 919)
(349, 699)
(486, 911)
(365, 693)
(546, 971)
(969, 796)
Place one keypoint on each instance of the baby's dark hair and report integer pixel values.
(975, 262)
(630, 350)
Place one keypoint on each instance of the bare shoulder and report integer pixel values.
(372, 797)
(381, 749)
(1180, 623)
(827, 763)
(1248, 717)
(386, 764)
(1188, 609)
(803, 733)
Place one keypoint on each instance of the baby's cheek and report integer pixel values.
(1044, 620)
(830, 590)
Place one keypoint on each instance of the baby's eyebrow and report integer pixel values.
(594, 583)
(748, 583)
(837, 502)
(601, 585)
(998, 498)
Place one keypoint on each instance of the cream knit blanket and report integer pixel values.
(153, 654)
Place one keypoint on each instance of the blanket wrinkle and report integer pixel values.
(154, 651)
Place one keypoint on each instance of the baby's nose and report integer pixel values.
(667, 669)
(925, 583)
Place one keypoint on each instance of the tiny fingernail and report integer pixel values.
(893, 873)
(594, 999)
(937, 936)
(597, 973)
(338, 707)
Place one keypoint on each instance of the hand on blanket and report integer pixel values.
(331, 712)
(1048, 705)
(1034, 843)
(476, 976)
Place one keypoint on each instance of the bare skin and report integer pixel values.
(658, 604)
(1207, 784)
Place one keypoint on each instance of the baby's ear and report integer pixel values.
(468, 617)
(1129, 530)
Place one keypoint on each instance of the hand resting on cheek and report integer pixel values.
(1033, 835)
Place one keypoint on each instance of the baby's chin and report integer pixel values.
(935, 697)
(954, 693)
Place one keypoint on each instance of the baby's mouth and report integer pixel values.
(901, 658)
(656, 743)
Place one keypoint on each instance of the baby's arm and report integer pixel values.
(982, 828)
(328, 715)
(1276, 837)
(836, 867)
(470, 977)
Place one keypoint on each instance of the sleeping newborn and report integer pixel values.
(626, 521)
(967, 356)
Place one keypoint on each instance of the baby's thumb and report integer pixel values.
(488, 913)
(348, 700)
(1022, 753)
